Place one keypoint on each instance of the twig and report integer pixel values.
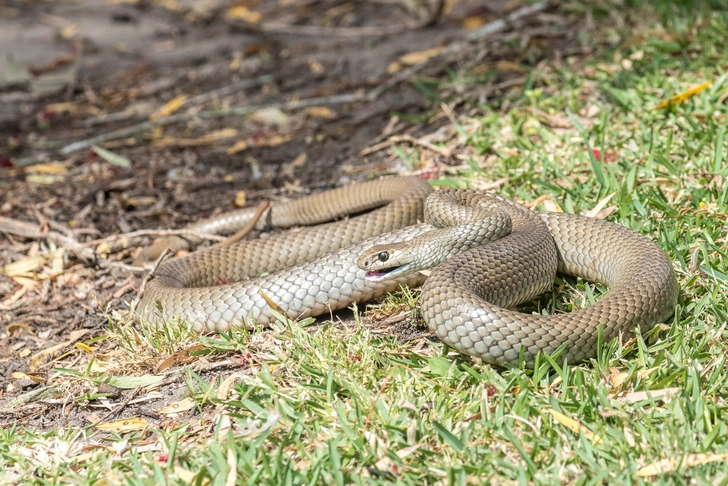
(502, 24)
(196, 100)
(406, 138)
(148, 277)
(488, 29)
(394, 319)
(149, 232)
(152, 124)
(250, 225)
(121, 407)
(366, 31)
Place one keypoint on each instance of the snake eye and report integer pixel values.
(383, 256)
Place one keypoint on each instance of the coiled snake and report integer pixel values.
(489, 254)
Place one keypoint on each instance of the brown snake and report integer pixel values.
(498, 254)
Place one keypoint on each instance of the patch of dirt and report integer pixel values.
(168, 87)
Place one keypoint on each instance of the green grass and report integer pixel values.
(341, 405)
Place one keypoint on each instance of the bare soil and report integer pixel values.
(71, 71)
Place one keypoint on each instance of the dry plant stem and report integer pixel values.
(367, 31)
(150, 232)
(183, 117)
(199, 99)
(245, 229)
(121, 406)
(406, 138)
(149, 276)
(489, 29)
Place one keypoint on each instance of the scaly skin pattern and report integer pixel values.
(465, 300)
(307, 272)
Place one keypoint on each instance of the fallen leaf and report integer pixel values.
(319, 112)
(640, 396)
(240, 199)
(270, 116)
(178, 407)
(684, 96)
(315, 66)
(181, 356)
(574, 426)
(242, 13)
(123, 425)
(42, 179)
(111, 157)
(169, 108)
(131, 382)
(69, 31)
(15, 297)
(600, 205)
(84, 347)
(421, 56)
(54, 168)
(238, 147)
(223, 391)
(471, 23)
(24, 266)
(671, 464)
(271, 303)
(17, 326)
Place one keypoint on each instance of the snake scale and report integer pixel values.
(486, 254)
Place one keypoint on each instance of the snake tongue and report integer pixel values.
(376, 275)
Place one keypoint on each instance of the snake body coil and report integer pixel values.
(464, 301)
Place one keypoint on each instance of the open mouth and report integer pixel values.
(380, 274)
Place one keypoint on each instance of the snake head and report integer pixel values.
(385, 261)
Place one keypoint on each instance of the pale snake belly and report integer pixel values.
(497, 255)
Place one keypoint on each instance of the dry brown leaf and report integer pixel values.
(297, 163)
(170, 107)
(181, 356)
(574, 426)
(241, 199)
(178, 407)
(640, 396)
(53, 168)
(595, 210)
(205, 139)
(40, 358)
(24, 266)
(474, 22)
(315, 66)
(187, 476)
(394, 68)
(16, 296)
(240, 12)
(684, 96)
(123, 425)
(270, 116)
(271, 303)
(239, 146)
(223, 391)
(273, 141)
(421, 56)
(43, 179)
(671, 464)
(232, 461)
(16, 326)
(69, 31)
(319, 112)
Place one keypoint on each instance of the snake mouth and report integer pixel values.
(377, 275)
